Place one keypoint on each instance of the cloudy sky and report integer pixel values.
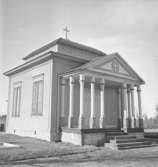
(129, 27)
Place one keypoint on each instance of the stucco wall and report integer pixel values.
(59, 65)
(27, 124)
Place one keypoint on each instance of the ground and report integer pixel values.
(39, 153)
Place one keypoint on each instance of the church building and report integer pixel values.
(70, 92)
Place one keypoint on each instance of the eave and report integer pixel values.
(29, 64)
(42, 58)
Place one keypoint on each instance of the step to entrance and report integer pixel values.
(136, 143)
(112, 135)
(137, 146)
(126, 141)
(131, 140)
(122, 137)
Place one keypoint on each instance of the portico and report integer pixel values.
(99, 101)
(126, 116)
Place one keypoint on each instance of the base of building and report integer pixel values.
(44, 135)
(83, 136)
(76, 136)
(95, 137)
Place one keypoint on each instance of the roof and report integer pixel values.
(64, 42)
(28, 64)
(40, 59)
(99, 60)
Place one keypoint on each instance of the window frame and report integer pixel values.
(35, 89)
(16, 103)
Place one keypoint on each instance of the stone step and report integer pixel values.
(134, 144)
(122, 137)
(130, 140)
(137, 146)
(114, 130)
(116, 133)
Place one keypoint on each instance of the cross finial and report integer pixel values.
(66, 32)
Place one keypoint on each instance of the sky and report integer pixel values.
(129, 27)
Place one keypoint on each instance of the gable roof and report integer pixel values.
(64, 42)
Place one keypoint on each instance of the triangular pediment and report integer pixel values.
(113, 65)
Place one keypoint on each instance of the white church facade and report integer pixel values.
(73, 93)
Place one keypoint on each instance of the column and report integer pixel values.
(140, 107)
(133, 107)
(62, 118)
(92, 115)
(71, 103)
(81, 116)
(102, 116)
(120, 109)
(124, 98)
(129, 121)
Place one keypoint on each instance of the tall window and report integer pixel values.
(16, 100)
(37, 95)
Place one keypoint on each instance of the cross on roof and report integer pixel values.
(66, 32)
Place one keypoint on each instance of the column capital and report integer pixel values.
(72, 80)
(81, 78)
(102, 86)
(138, 88)
(92, 80)
(102, 82)
(119, 91)
(128, 90)
(131, 86)
(63, 81)
(124, 86)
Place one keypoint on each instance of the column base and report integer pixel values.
(81, 123)
(71, 122)
(102, 122)
(120, 123)
(124, 123)
(129, 122)
(141, 125)
(92, 122)
(134, 122)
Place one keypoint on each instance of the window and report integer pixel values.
(16, 99)
(37, 95)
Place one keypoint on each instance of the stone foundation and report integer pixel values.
(84, 136)
(95, 137)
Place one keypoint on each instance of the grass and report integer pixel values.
(42, 153)
(31, 148)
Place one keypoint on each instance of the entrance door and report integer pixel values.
(111, 107)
